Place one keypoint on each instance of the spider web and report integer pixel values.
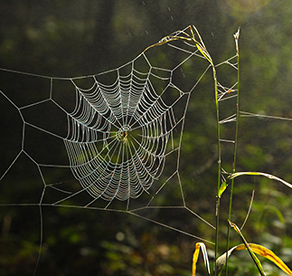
(109, 141)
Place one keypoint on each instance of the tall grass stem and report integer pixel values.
(236, 38)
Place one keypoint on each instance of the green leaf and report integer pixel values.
(222, 188)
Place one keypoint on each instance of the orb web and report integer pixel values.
(118, 135)
(119, 128)
(114, 137)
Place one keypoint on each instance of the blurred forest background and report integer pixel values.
(74, 38)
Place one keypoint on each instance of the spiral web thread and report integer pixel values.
(120, 131)
(127, 164)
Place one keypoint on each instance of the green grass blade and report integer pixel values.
(253, 256)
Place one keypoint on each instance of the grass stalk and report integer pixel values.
(236, 37)
(219, 163)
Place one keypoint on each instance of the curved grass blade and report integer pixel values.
(200, 245)
(270, 176)
(258, 249)
(224, 185)
(253, 256)
(221, 261)
(268, 254)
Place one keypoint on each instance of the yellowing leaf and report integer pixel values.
(195, 258)
(200, 245)
(261, 250)
(268, 254)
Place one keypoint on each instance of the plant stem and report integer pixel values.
(219, 163)
(236, 37)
